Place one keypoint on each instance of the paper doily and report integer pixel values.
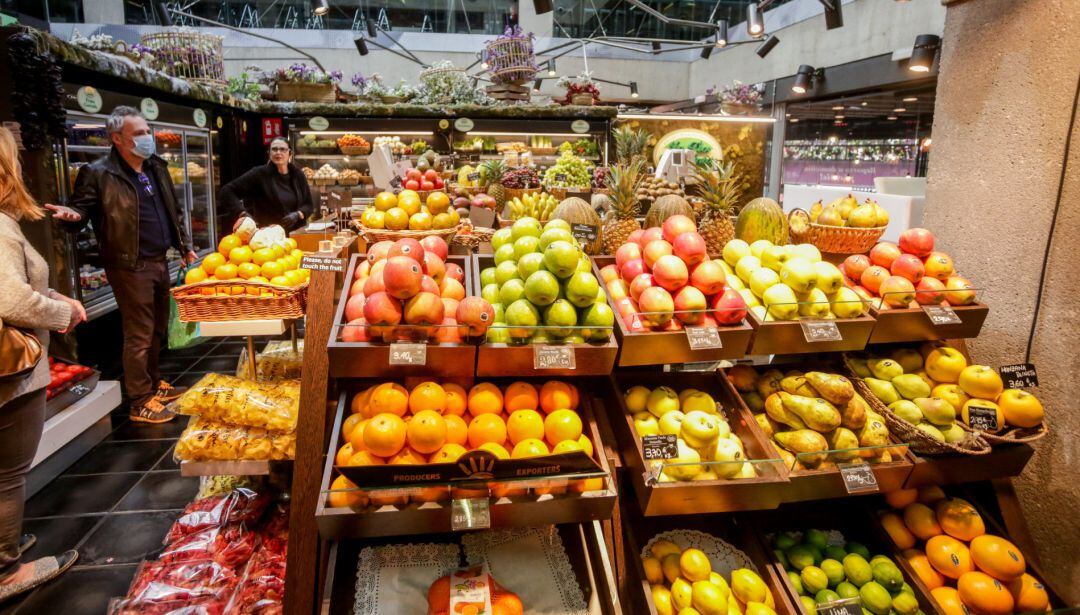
(402, 573)
(723, 556)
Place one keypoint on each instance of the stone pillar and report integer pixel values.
(104, 11)
(1006, 157)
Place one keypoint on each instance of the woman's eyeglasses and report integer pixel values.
(281, 150)
(145, 181)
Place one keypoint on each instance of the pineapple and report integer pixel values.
(492, 173)
(622, 180)
(630, 143)
(719, 187)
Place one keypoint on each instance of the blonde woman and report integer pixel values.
(25, 302)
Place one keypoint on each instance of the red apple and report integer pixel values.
(439, 183)
(454, 270)
(677, 225)
(354, 307)
(654, 250)
(449, 305)
(690, 247)
(427, 186)
(656, 306)
(708, 277)
(452, 288)
(625, 307)
(407, 247)
(729, 307)
(640, 283)
(414, 174)
(401, 277)
(424, 309)
(670, 272)
(362, 270)
(930, 291)
(855, 265)
(434, 266)
(917, 241)
(435, 244)
(609, 273)
(632, 269)
(431, 175)
(382, 309)
(476, 314)
(617, 289)
(864, 294)
(884, 253)
(690, 305)
(626, 253)
(429, 285)
(672, 325)
(412, 184)
(959, 291)
(355, 330)
(897, 291)
(374, 284)
(635, 236)
(357, 287)
(908, 266)
(650, 234)
(449, 332)
(873, 277)
(939, 265)
(378, 250)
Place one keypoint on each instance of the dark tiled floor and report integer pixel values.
(116, 503)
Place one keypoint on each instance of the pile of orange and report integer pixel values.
(406, 210)
(235, 260)
(967, 570)
(438, 422)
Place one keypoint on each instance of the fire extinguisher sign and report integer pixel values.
(271, 128)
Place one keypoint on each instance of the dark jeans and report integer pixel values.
(21, 422)
(142, 294)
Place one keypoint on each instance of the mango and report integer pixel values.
(840, 439)
(853, 413)
(936, 410)
(832, 387)
(884, 369)
(857, 569)
(775, 409)
(883, 390)
(907, 410)
(875, 598)
(817, 413)
(910, 386)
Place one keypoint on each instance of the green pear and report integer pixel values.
(936, 410)
(807, 444)
(830, 216)
(874, 432)
(762, 279)
(746, 266)
(907, 410)
(853, 413)
(859, 366)
(814, 304)
(767, 424)
(795, 383)
(952, 433)
(775, 410)
(846, 303)
(833, 387)
(774, 257)
(908, 358)
(769, 383)
(863, 216)
(817, 413)
(780, 302)
(931, 431)
(885, 369)
(910, 386)
(840, 439)
(799, 274)
(883, 390)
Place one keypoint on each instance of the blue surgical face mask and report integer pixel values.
(144, 146)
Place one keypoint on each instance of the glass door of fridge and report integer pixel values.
(86, 142)
(200, 190)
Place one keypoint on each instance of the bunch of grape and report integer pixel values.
(568, 171)
(521, 177)
(599, 177)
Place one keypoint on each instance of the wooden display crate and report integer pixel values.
(664, 347)
(638, 530)
(1003, 461)
(372, 359)
(913, 325)
(823, 483)
(787, 337)
(497, 359)
(765, 491)
(854, 522)
(507, 510)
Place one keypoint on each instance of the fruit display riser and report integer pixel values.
(1001, 462)
(913, 325)
(671, 347)
(337, 523)
(787, 337)
(765, 491)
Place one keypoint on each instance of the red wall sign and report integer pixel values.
(271, 127)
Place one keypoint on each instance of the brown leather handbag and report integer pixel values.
(19, 353)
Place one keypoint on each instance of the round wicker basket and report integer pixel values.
(372, 235)
(189, 55)
(833, 239)
(199, 302)
(512, 59)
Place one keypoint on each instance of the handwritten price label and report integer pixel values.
(982, 418)
(1019, 376)
(663, 446)
(395, 182)
(858, 477)
(941, 315)
(470, 514)
(408, 354)
(554, 357)
(703, 338)
(473, 177)
(847, 606)
(79, 390)
(584, 233)
(820, 331)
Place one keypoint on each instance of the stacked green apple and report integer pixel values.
(702, 433)
(788, 282)
(542, 287)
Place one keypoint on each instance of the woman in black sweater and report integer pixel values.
(274, 193)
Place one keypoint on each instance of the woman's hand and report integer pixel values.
(61, 212)
(238, 222)
(78, 312)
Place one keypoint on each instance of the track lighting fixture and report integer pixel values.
(372, 29)
(542, 6)
(163, 14)
(834, 14)
(655, 47)
(721, 33)
(804, 79)
(922, 54)
(899, 110)
(320, 7)
(910, 98)
(633, 89)
(537, 84)
(765, 47)
(361, 45)
(755, 24)
(551, 67)
(706, 52)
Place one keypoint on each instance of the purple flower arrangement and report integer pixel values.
(510, 57)
(302, 73)
(743, 94)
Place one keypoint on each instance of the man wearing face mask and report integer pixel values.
(129, 198)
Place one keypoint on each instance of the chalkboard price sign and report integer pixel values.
(584, 233)
(1019, 376)
(663, 446)
(941, 315)
(858, 477)
(553, 357)
(408, 354)
(703, 338)
(982, 418)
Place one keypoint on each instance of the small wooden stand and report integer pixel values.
(510, 92)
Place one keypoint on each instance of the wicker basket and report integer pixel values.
(560, 192)
(973, 443)
(472, 241)
(834, 239)
(188, 55)
(1016, 435)
(511, 193)
(512, 60)
(348, 182)
(324, 181)
(194, 304)
(355, 151)
(373, 235)
(305, 92)
(582, 99)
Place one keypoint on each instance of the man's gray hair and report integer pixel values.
(115, 123)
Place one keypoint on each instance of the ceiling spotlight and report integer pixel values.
(655, 47)
(706, 52)
(536, 85)
(163, 14)
(922, 54)
(633, 89)
(320, 7)
(863, 103)
(542, 6)
(899, 110)
(484, 63)
(787, 115)
(838, 107)
(910, 98)
(361, 46)
(891, 117)
(834, 14)
(765, 47)
(551, 67)
(794, 120)
(804, 79)
(372, 28)
(721, 33)
(755, 24)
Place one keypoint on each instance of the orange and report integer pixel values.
(984, 594)
(524, 424)
(920, 521)
(212, 262)
(360, 401)
(529, 447)
(384, 435)
(495, 448)
(1028, 594)
(227, 271)
(965, 412)
(340, 498)
(506, 604)
(575, 399)
(997, 557)
(269, 269)
(959, 519)
(373, 218)
(566, 446)
(900, 498)
(396, 219)
(227, 243)
(949, 600)
(349, 424)
(259, 278)
(948, 556)
(921, 565)
(562, 425)
(294, 277)
(556, 395)
(388, 397)
(486, 428)
(588, 484)
(930, 495)
(356, 437)
(420, 221)
(262, 256)
(195, 275)
(447, 453)
(246, 271)
(981, 381)
(385, 200)
(1020, 408)
(427, 396)
(520, 396)
(343, 455)
(457, 430)
(897, 531)
(485, 398)
(239, 256)
(409, 202)
(427, 431)
(456, 399)
(364, 458)
(586, 445)
(296, 253)
(437, 202)
(407, 457)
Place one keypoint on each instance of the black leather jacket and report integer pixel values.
(253, 195)
(106, 197)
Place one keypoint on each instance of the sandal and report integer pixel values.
(44, 570)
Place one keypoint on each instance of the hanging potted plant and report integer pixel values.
(580, 90)
(303, 83)
(512, 63)
(740, 98)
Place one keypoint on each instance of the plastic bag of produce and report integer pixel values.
(262, 588)
(232, 400)
(229, 545)
(237, 506)
(275, 363)
(205, 440)
(201, 605)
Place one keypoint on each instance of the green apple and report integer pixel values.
(554, 234)
(829, 278)
(846, 303)
(734, 250)
(557, 223)
(806, 250)
(560, 315)
(541, 288)
(662, 400)
(671, 423)
(699, 401)
(511, 291)
(505, 253)
(699, 429)
(584, 264)
(506, 270)
(501, 237)
(498, 335)
(522, 317)
(780, 302)
(581, 289)
(490, 293)
(500, 313)
(774, 257)
(747, 265)
(799, 274)
(487, 276)
(561, 258)
(646, 424)
(526, 226)
(600, 318)
(762, 279)
(530, 264)
(814, 304)
(525, 245)
(759, 246)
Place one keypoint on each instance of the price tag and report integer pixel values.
(858, 477)
(553, 357)
(79, 389)
(473, 177)
(663, 446)
(337, 200)
(584, 233)
(315, 262)
(560, 178)
(982, 418)
(703, 338)
(820, 331)
(470, 514)
(941, 315)
(847, 606)
(408, 354)
(1019, 376)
